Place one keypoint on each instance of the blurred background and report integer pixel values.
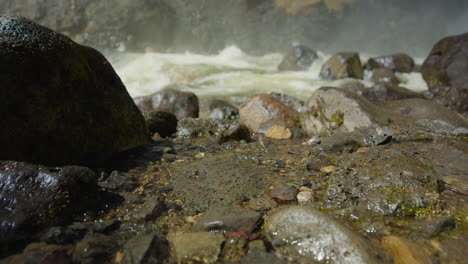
(255, 26)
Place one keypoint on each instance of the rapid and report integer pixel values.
(232, 74)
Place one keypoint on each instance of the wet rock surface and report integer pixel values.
(173, 99)
(228, 219)
(454, 98)
(395, 62)
(147, 248)
(408, 111)
(389, 199)
(34, 196)
(217, 180)
(95, 248)
(305, 234)
(447, 63)
(331, 108)
(342, 65)
(54, 107)
(263, 110)
(219, 130)
(382, 75)
(163, 123)
(200, 247)
(298, 58)
(386, 92)
(220, 109)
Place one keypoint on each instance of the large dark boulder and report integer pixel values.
(61, 102)
(447, 63)
(33, 196)
(173, 99)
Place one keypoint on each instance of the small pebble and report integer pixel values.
(200, 155)
(362, 150)
(284, 192)
(305, 197)
(327, 169)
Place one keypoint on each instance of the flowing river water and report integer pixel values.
(231, 74)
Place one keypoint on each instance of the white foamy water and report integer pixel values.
(231, 74)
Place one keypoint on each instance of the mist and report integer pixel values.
(256, 26)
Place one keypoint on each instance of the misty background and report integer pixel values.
(256, 26)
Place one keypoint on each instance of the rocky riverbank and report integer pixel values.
(352, 175)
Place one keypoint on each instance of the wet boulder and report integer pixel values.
(172, 99)
(32, 196)
(61, 102)
(163, 123)
(454, 98)
(372, 135)
(298, 58)
(447, 63)
(342, 65)
(405, 112)
(289, 100)
(261, 111)
(386, 92)
(305, 235)
(399, 62)
(332, 108)
(220, 109)
(382, 75)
